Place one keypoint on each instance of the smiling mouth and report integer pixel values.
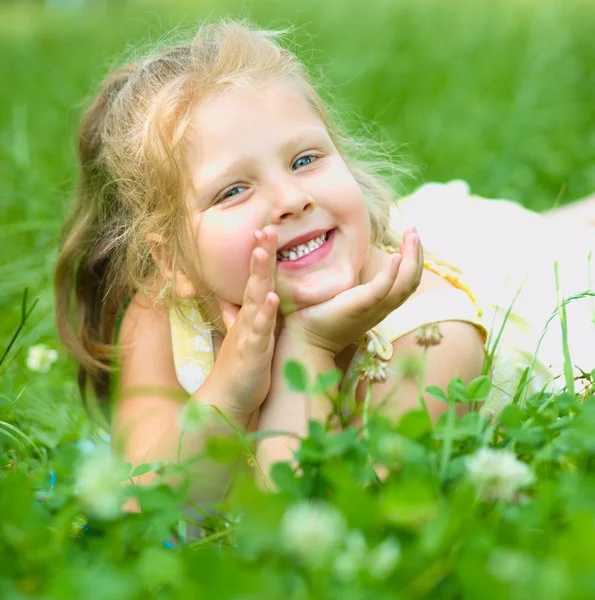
(319, 249)
(297, 252)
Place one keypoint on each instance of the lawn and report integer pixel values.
(499, 93)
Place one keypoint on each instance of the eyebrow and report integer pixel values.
(294, 140)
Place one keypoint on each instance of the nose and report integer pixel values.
(290, 200)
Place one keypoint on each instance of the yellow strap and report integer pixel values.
(450, 304)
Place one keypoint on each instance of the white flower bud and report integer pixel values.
(312, 530)
(349, 562)
(498, 474)
(383, 559)
(99, 485)
(40, 358)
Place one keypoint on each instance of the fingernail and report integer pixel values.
(414, 229)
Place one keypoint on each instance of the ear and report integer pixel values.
(184, 287)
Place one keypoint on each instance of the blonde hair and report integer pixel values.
(132, 186)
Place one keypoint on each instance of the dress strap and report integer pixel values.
(446, 271)
(192, 346)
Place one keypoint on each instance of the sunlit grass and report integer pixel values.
(497, 93)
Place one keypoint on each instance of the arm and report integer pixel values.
(146, 424)
(285, 410)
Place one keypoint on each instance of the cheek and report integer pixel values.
(225, 246)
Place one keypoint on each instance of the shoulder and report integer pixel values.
(462, 347)
(460, 353)
(461, 350)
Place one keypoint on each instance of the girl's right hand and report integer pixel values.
(243, 365)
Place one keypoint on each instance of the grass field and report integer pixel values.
(499, 93)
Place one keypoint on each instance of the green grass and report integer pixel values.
(498, 93)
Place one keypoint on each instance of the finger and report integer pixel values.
(265, 320)
(409, 272)
(255, 286)
(388, 287)
(384, 282)
(261, 280)
(271, 246)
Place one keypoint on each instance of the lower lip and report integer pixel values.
(309, 259)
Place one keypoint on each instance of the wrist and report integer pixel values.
(292, 344)
(214, 393)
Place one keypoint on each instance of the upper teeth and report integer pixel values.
(303, 249)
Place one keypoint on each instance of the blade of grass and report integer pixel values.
(547, 324)
(25, 437)
(24, 316)
(568, 372)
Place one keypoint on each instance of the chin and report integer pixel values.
(321, 291)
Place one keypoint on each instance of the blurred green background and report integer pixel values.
(500, 93)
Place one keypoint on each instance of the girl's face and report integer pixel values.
(261, 156)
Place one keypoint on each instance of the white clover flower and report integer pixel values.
(428, 335)
(372, 368)
(498, 474)
(99, 485)
(383, 559)
(312, 530)
(511, 566)
(349, 562)
(40, 358)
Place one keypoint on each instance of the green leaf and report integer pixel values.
(566, 403)
(316, 431)
(479, 388)
(512, 416)
(222, 449)
(141, 470)
(410, 503)
(282, 474)
(309, 451)
(327, 381)
(471, 424)
(437, 393)
(296, 375)
(415, 424)
(340, 443)
(158, 567)
(521, 385)
(457, 390)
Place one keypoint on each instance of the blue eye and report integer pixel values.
(309, 157)
(234, 191)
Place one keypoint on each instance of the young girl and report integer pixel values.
(226, 219)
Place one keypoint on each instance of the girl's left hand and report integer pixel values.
(336, 323)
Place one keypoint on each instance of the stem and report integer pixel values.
(421, 401)
(366, 417)
(209, 539)
(447, 444)
(24, 316)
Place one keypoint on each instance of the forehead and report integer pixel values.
(240, 119)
